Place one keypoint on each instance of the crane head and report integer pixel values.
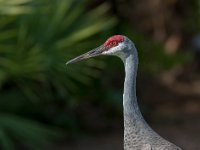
(115, 45)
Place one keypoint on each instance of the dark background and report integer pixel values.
(45, 104)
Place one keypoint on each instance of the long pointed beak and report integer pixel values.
(95, 52)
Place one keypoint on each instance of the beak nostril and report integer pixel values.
(92, 52)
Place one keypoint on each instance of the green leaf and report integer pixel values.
(28, 132)
(5, 141)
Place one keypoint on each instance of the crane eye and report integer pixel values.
(113, 44)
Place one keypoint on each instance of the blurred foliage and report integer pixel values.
(24, 131)
(36, 39)
(192, 23)
(15, 7)
(153, 58)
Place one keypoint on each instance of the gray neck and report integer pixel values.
(130, 105)
(134, 123)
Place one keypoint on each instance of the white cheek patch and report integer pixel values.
(110, 51)
(114, 50)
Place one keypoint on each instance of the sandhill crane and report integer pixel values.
(138, 135)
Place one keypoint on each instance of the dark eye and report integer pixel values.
(114, 43)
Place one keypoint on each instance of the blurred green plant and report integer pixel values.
(15, 7)
(15, 129)
(36, 39)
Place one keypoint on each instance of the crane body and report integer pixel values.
(138, 135)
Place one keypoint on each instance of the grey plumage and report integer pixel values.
(138, 135)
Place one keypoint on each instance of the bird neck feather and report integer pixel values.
(129, 96)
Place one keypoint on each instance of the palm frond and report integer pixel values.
(15, 7)
(36, 39)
